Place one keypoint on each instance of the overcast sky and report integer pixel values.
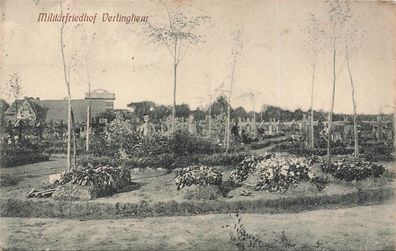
(273, 63)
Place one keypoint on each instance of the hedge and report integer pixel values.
(12, 159)
(167, 161)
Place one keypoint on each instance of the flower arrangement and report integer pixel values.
(247, 166)
(353, 169)
(277, 174)
(198, 175)
(103, 180)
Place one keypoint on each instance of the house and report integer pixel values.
(27, 110)
(55, 111)
(100, 94)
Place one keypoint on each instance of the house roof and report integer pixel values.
(57, 109)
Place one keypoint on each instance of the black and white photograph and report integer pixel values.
(197, 125)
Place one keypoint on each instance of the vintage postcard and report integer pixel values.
(197, 124)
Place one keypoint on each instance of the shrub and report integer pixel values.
(95, 161)
(129, 142)
(352, 169)
(271, 136)
(378, 152)
(100, 146)
(166, 160)
(198, 175)
(301, 150)
(244, 240)
(246, 167)
(222, 159)
(18, 156)
(183, 143)
(24, 151)
(102, 180)
(320, 182)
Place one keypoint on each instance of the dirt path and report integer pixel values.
(359, 228)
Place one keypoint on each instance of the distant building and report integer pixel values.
(100, 94)
(36, 110)
(57, 110)
(27, 110)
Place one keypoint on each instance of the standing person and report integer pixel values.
(191, 126)
(147, 129)
(234, 132)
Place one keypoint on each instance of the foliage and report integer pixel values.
(142, 108)
(244, 240)
(20, 151)
(14, 86)
(122, 139)
(103, 180)
(218, 127)
(182, 110)
(247, 166)
(320, 182)
(97, 161)
(220, 106)
(222, 159)
(183, 143)
(300, 149)
(352, 169)
(22, 157)
(378, 152)
(167, 160)
(271, 136)
(198, 175)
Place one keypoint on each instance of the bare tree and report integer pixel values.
(353, 39)
(15, 90)
(235, 53)
(338, 16)
(66, 75)
(178, 36)
(88, 130)
(314, 43)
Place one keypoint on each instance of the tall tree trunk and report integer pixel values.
(312, 99)
(174, 87)
(210, 117)
(254, 124)
(88, 132)
(355, 132)
(69, 111)
(252, 101)
(394, 127)
(229, 106)
(332, 102)
(227, 129)
(74, 141)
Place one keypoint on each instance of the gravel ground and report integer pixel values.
(357, 228)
